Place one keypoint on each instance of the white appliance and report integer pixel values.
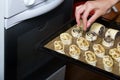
(18, 10)
(15, 11)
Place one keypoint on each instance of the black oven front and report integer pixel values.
(23, 60)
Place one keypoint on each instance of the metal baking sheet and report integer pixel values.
(99, 66)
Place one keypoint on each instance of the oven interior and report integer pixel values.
(47, 46)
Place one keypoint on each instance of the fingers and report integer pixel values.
(85, 16)
(79, 10)
(83, 11)
(96, 15)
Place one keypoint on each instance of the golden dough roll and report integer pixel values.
(99, 50)
(97, 28)
(108, 63)
(90, 58)
(74, 51)
(82, 43)
(66, 38)
(77, 32)
(115, 54)
(59, 47)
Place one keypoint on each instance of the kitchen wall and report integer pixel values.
(1, 39)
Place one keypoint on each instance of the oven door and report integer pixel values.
(22, 57)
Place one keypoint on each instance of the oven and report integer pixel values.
(69, 50)
(25, 26)
(78, 67)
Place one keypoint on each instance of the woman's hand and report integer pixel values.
(100, 8)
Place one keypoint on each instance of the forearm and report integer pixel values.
(108, 3)
(113, 2)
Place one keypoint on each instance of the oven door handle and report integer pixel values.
(32, 12)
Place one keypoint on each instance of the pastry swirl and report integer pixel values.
(90, 58)
(108, 63)
(112, 33)
(66, 38)
(99, 50)
(82, 43)
(98, 28)
(91, 36)
(74, 51)
(108, 41)
(59, 47)
(115, 54)
(77, 32)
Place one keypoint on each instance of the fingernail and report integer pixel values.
(84, 28)
(77, 25)
(88, 24)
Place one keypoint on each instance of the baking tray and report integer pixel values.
(46, 45)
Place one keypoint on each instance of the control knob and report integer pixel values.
(29, 2)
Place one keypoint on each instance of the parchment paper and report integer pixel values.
(82, 57)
